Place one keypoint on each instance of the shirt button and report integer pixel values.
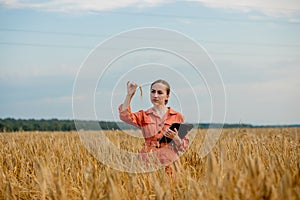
(159, 124)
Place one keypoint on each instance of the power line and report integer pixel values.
(45, 45)
(197, 17)
(50, 32)
(140, 37)
(112, 49)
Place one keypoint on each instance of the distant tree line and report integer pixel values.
(13, 125)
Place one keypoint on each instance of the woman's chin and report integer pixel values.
(157, 104)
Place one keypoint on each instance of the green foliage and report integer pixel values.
(13, 125)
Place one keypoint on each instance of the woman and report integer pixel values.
(155, 123)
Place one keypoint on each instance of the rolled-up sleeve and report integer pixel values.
(127, 116)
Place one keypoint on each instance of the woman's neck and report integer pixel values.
(160, 110)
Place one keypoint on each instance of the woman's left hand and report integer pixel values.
(171, 134)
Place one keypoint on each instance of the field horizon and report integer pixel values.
(54, 124)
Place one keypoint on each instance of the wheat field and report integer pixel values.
(245, 164)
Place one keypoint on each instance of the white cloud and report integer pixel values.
(77, 5)
(269, 7)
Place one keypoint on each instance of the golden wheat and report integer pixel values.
(244, 164)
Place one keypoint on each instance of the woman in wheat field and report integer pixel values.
(155, 123)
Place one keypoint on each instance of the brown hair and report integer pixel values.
(164, 83)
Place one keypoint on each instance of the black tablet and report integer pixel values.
(182, 128)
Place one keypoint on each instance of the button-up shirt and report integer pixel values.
(153, 126)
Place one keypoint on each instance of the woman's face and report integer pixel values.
(158, 94)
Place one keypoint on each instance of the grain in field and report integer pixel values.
(244, 164)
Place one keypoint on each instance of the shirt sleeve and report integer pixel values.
(183, 145)
(127, 116)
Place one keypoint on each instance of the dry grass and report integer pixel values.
(245, 164)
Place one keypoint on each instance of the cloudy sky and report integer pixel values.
(254, 45)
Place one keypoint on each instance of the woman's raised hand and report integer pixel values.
(131, 88)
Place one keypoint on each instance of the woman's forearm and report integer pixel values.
(181, 144)
(126, 115)
(131, 87)
(126, 102)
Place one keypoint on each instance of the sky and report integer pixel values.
(252, 49)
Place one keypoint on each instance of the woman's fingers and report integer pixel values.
(170, 134)
(173, 132)
(131, 87)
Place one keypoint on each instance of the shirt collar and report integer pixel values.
(170, 110)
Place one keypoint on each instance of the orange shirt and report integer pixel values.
(152, 125)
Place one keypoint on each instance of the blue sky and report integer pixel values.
(255, 45)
